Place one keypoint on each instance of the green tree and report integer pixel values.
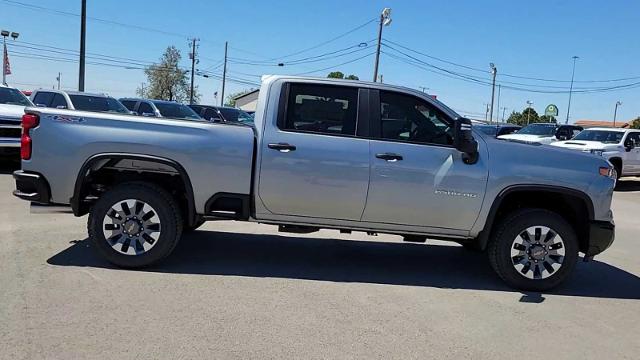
(166, 80)
(340, 75)
(527, 116)
(635, 124)
(231, 99)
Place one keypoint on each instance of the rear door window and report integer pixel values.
(321, 109)
(145, 109)
(129, 104)
(59, 102)
(43, 98)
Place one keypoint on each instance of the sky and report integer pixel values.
(442, 46)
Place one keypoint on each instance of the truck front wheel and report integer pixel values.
(533, 249)
(135, 225)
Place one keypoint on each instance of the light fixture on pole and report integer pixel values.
(573, 72)
(494, 71)
(5, 56)
(615, 112)
(385, 20)
(529, 103)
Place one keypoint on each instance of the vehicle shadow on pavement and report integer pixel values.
(259, 255)
(628, 185)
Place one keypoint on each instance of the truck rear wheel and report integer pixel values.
(533, 249)
(135, 225)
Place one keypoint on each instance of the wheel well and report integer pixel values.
(617, 162)
(575, 207)
(103, 172)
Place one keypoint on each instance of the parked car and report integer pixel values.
(543, 133)
(74, 100)
(222, 114)
(497, 129)
(12, 104)
(327, 153)
(620, 146)
(160, 108)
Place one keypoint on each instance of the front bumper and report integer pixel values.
(601, 236)
(31, 187)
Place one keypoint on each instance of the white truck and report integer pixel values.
(620, 146)
(12, 104)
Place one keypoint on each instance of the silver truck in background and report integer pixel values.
(323, 153)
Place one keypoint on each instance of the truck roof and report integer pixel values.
(611, 129)
(72, 92)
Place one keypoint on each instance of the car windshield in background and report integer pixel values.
(538, 129)
(13, 97)
(608, 137)
(236, 115)
(97, 104)
(487, 129)
(176, 111)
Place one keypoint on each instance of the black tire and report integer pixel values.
(199, 222)
(166, 210)
(512, 227)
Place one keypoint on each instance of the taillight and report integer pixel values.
(29, 121)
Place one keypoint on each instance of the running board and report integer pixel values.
(36, 208)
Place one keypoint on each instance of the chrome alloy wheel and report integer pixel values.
(131, 227)
(537, 252)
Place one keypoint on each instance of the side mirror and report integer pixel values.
(630, 145)
(464, 141)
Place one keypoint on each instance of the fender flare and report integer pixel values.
(79, 209)
(483, 236)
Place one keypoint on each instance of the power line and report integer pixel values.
(336, 65)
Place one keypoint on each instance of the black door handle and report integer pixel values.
(389, 156)
(282, 147)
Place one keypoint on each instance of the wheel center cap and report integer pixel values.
(131, 227)
(537, 252)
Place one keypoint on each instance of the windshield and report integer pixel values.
(97, 104)
(235, 115)
(176, 111)
(538, 129)
(608, 137)
(11, 96)
(489, 130)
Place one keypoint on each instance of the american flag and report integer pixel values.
(6, 66)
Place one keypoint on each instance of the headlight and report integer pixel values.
(597, 152)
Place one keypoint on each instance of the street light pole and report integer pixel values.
(385, 20)
(503, 110)
(83, 35)
(529, 103)
(615, 112)
(5, 55)
(573, 72)
(494, 71)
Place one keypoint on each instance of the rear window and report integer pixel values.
(13, 97)
(176, 111)
(97, 104)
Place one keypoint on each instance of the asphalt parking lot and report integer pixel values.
(239, 290)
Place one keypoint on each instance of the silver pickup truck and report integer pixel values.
(323, 153)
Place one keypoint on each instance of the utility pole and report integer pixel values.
(224, 74)
(486, 113)
(615, 112)
(193, 67)
(573, 72)
(422, 87)
(503, 110)
(385, 20)
(83, 36)
(494, 71)
(498, 104)
(529, 103)
(58, 79)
